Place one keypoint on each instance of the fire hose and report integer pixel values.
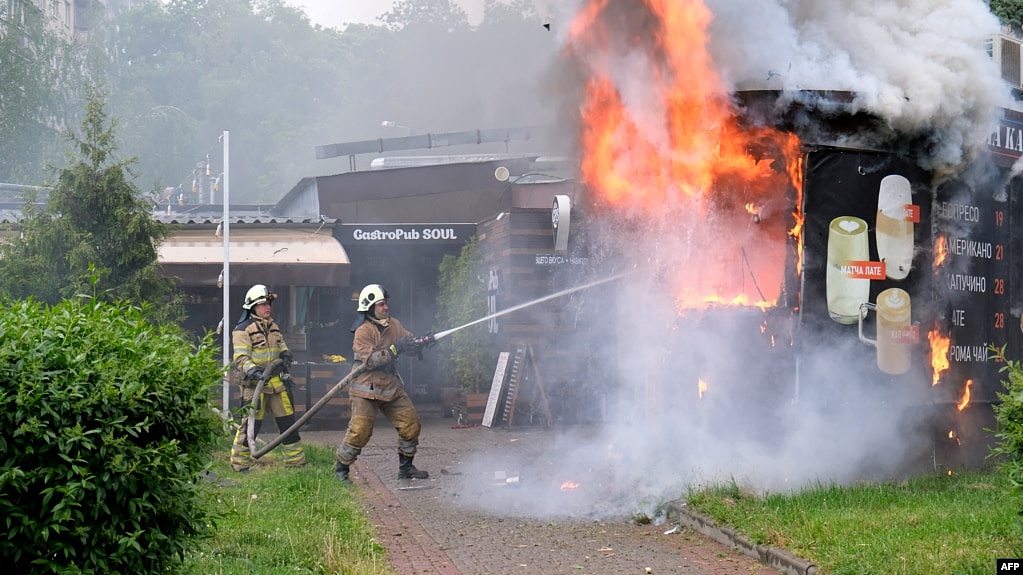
(256, 454)
(273, 368)
(419, 342)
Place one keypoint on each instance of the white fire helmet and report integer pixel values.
(370, 295)
(258, 294)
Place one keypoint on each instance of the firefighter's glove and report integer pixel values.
(403, 345)
(254, 374)
(287, 359)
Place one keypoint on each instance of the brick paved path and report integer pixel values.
(466, 520)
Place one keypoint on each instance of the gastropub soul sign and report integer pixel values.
(406, 233)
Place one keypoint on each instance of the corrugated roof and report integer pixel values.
(207, 219)
(13, 216)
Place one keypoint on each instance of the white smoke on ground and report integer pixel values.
(762, 423)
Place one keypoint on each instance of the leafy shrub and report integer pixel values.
(462, 298)
(107, 427)
(1009, 417)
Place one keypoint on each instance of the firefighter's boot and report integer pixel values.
(408, 471)
(341, 472)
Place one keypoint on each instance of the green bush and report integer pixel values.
(1009, 419)
(462, 298)
(107, 428)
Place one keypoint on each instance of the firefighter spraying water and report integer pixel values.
(418, 343)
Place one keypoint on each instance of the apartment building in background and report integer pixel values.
(71, 19)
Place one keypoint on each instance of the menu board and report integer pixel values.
(972, 282)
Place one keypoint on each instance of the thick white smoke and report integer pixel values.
(919, 65)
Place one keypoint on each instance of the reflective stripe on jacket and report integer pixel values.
(257, 342)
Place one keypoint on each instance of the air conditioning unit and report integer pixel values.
(1006, 49)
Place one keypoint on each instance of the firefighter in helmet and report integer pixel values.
(258, 341)
(379, 340)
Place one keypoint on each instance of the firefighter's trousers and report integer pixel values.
(399, 411)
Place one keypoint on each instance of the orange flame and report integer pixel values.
(701, 387)
(966, 396)
(795, 171)
(568, 485)
(670, 150)
(940, 251)
(939, 353)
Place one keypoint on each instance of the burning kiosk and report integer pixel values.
(789, 251)
(830, 271)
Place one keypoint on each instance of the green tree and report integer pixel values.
(462, 298)
(444, 14)
(180, 73)
(1008, 11)
(94, 225)
(33, 114)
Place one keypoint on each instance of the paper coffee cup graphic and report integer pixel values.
(894, 226)
(896, 333)
(846, 289)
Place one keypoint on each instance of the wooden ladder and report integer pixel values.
(514, 381)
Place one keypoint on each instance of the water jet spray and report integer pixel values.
(424, 340)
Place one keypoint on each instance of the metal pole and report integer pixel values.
(226, 329)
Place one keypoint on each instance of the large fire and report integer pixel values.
(665, 146)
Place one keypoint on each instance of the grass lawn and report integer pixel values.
(945, 524)
(277, 520)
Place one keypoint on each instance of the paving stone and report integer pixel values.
(438, 526)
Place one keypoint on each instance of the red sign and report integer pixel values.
(864, 270)
(911, 213)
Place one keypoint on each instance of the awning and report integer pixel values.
(278, 256)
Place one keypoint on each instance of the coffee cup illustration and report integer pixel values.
(847, 242)
(894, 226)
(896, 333)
